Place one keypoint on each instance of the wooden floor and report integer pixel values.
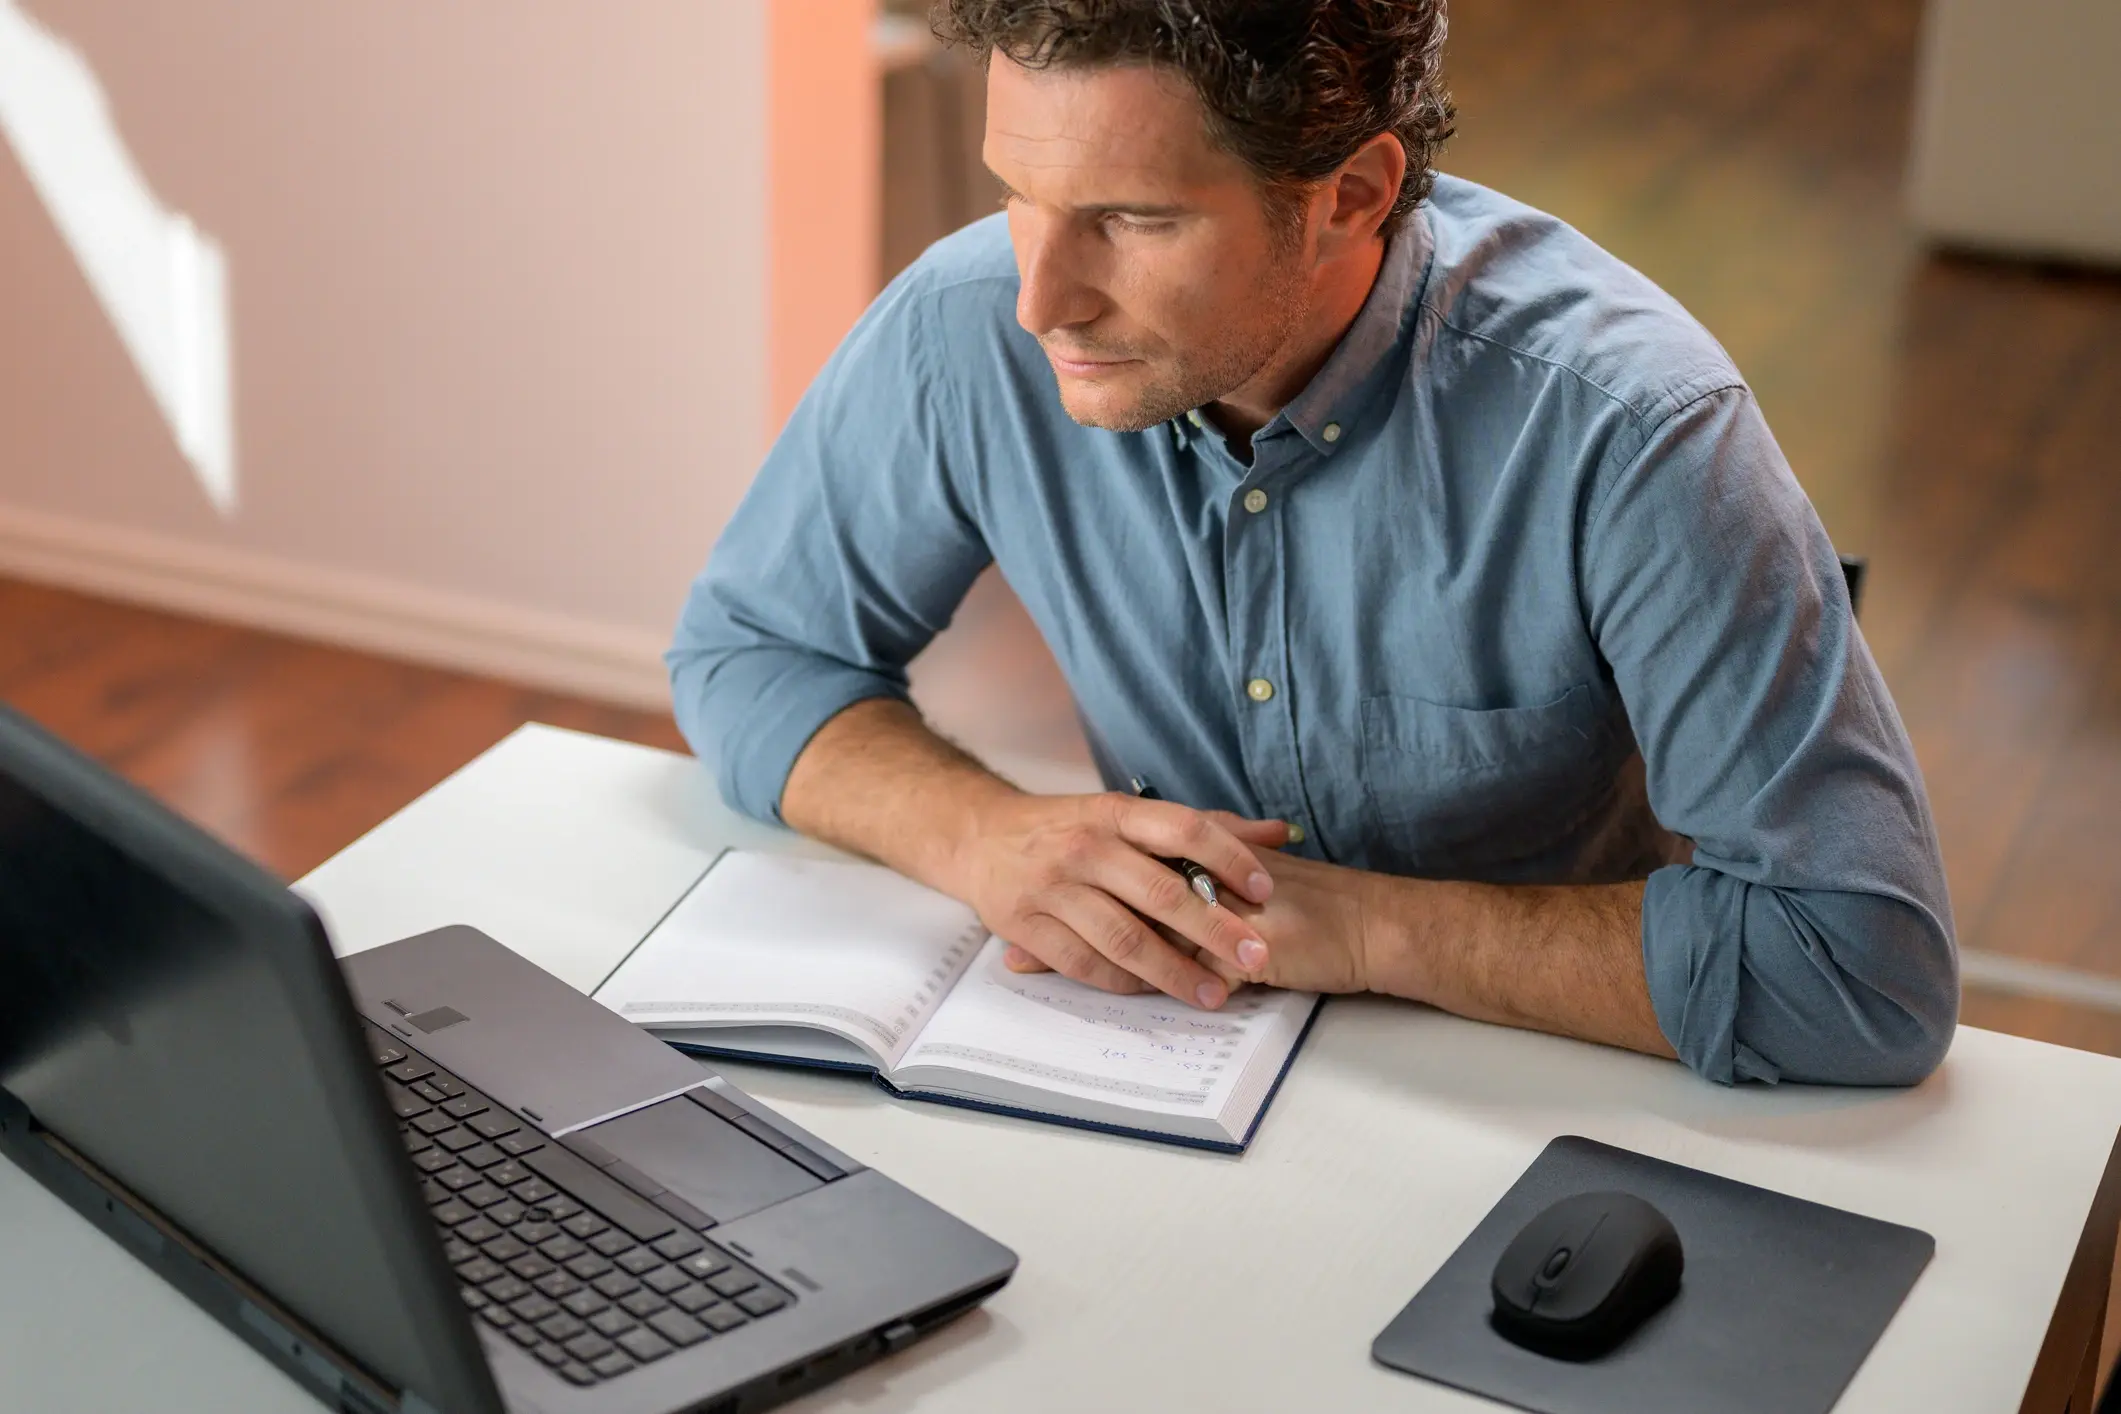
(1957, 420)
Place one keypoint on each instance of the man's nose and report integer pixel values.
(1053, 295)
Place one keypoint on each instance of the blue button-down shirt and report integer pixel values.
(1519, 588)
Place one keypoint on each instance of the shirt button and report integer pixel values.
(1331, 432)
(1259, 689)
(1255, 500)
(1296, 833)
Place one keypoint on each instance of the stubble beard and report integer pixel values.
(1195, 378)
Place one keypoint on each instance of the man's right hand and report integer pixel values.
(1073, 883)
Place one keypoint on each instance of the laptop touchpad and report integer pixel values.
(702, 1158)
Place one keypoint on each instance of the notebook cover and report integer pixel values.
(693, 1048)
(1781, 1301)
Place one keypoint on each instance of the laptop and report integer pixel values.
(432, 1177)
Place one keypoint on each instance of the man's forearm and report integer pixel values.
(876, 781)
(1560, 958)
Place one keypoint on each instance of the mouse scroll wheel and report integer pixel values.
(1556, 1264)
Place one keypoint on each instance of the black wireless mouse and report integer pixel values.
(1585, 1273)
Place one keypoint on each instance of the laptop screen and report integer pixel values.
(174, 1015)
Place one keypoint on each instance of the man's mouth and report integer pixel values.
(1078, 367)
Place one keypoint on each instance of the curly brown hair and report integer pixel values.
(1290, 87)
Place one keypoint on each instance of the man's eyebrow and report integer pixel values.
(1151, 210)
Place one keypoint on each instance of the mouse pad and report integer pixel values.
(1781, 1299)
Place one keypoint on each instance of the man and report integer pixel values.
(1438, 562)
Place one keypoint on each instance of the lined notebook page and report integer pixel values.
(771, 939)
(1146, 1052)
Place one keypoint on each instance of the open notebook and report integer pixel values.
(815, 962)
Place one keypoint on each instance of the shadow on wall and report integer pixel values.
(162, 283)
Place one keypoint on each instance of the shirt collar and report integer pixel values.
(1333, 403)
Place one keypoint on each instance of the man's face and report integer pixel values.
(1153, 275)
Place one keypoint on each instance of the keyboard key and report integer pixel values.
(585, 1303)
(505, 1288)
(576, 1373)
(478, 1230)
(445, 1082)
(691, 1299)
(499, 1317)
(616, 1363)
(508, 1212)
(473, 1297)
(428, 1091)
(534, 1308)
(588, 1266)
(431, 1192)
(633, 1178)
(404, 1104)
(465, 1106)
(644, 1345)
(451, 1213)
(529, 1266)
(584, 1225)
(637, 1261)
(765, 1299)
(705, 1265)
(561, 1327)
(611, 1321)
(677, 1328)
(561, 1207)
(521, 1143)
(482, 1195)
(524, 1335)
(482, 1156)
(456, 1141)
(678, 1244)
(559, 1247)
(664, 1280)
(505, 1249)
(609, 1243)
(433, 1122)
(615, 1284)
(480, 1270)
(553, 1283)
(383, 1051)
(431, 1160)
(407, 1071)
(508, 1173)
(456, 1250)
(494, 1125)
(527, 1190)
(722, 1317)
(551, 1354)
(416, 1142)
(731, 1282)
(643, 1304)
(587, 1346)
(456, 1177)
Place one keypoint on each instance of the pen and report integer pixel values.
(1201, 881)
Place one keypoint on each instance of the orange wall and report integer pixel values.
(824, 160)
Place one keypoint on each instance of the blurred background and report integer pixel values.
(507, 311)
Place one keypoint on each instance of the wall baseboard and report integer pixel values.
(608, 662)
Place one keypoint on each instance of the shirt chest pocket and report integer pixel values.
(1468, 791)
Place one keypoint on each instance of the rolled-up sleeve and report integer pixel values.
(1811, 937)
(851, 550)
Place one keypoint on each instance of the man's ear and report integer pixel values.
(1361, 193)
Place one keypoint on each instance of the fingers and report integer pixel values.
(1260, 834)
(1161, 895)
(1176, 831)
(1057, 945)
(1121, 939)
(1018, 959)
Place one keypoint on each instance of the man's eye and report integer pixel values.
(1137, 225)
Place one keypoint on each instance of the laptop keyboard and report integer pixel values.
(554, 1243)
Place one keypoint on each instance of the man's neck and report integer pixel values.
(1337, 295)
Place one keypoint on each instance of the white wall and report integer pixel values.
(499, 303)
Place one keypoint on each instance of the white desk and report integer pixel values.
(1155, 1277)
